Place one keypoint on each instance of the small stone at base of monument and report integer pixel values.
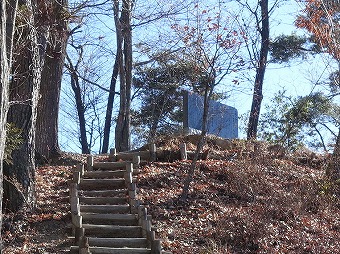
(223, 144)
(193, 139)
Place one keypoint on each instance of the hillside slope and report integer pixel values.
(245, 204)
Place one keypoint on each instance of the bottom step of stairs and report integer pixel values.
(106, 250)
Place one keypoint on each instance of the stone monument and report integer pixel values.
(222, 119)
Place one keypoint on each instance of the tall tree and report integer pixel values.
(86, 94)
(124, 55)
(212, 43)
(115, 72)
(262, 24)
(159, 89)
(293, 122)
(8, 11)
(31, 42)
(110, 100)
(48, 107)
(321, 19)
(146, 14)
(150, 12)
(76, 87)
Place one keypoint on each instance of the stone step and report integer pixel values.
(103, 200)
(112, 219)
(104, 208)
(103, 193)
(113, 231)
(118, 242)
(102, 184)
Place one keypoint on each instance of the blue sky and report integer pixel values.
(297, 77)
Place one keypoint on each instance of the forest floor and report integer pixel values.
(237, 204)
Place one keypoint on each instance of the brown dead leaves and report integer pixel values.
(241, 206)
(236, 205)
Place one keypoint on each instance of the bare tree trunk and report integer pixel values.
(48, 107)
(207, 96)
(81, 113)
(47, 121)
(124, 44)
(19, 187)
(109, 107)
(120, 63)
(77, 90)
(127, 32)
(260, 71)
(85, 148)
(7, 21)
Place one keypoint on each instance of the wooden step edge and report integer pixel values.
(104, 173)
(122, 216)
(103, 193)
(101, 181)
(109, 227)
(74, 250)
(125, 206)
(102, 184)
(93, 239)
(109, 165)
(110, 220)
(107, 175)
(118, 242)
(103, 200)
(112, 231)
(108, 250)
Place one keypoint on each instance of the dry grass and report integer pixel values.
(243, 206)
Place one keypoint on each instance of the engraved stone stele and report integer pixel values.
(222, 119)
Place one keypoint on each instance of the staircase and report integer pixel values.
(106, 217)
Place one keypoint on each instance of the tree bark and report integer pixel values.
(48, 107)
(124, 47)
(127, 33)
(78, 96)
(19, 187)
(109, 107)
(208, 91)
(7, 20)
(81, 112)
(260, 72)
